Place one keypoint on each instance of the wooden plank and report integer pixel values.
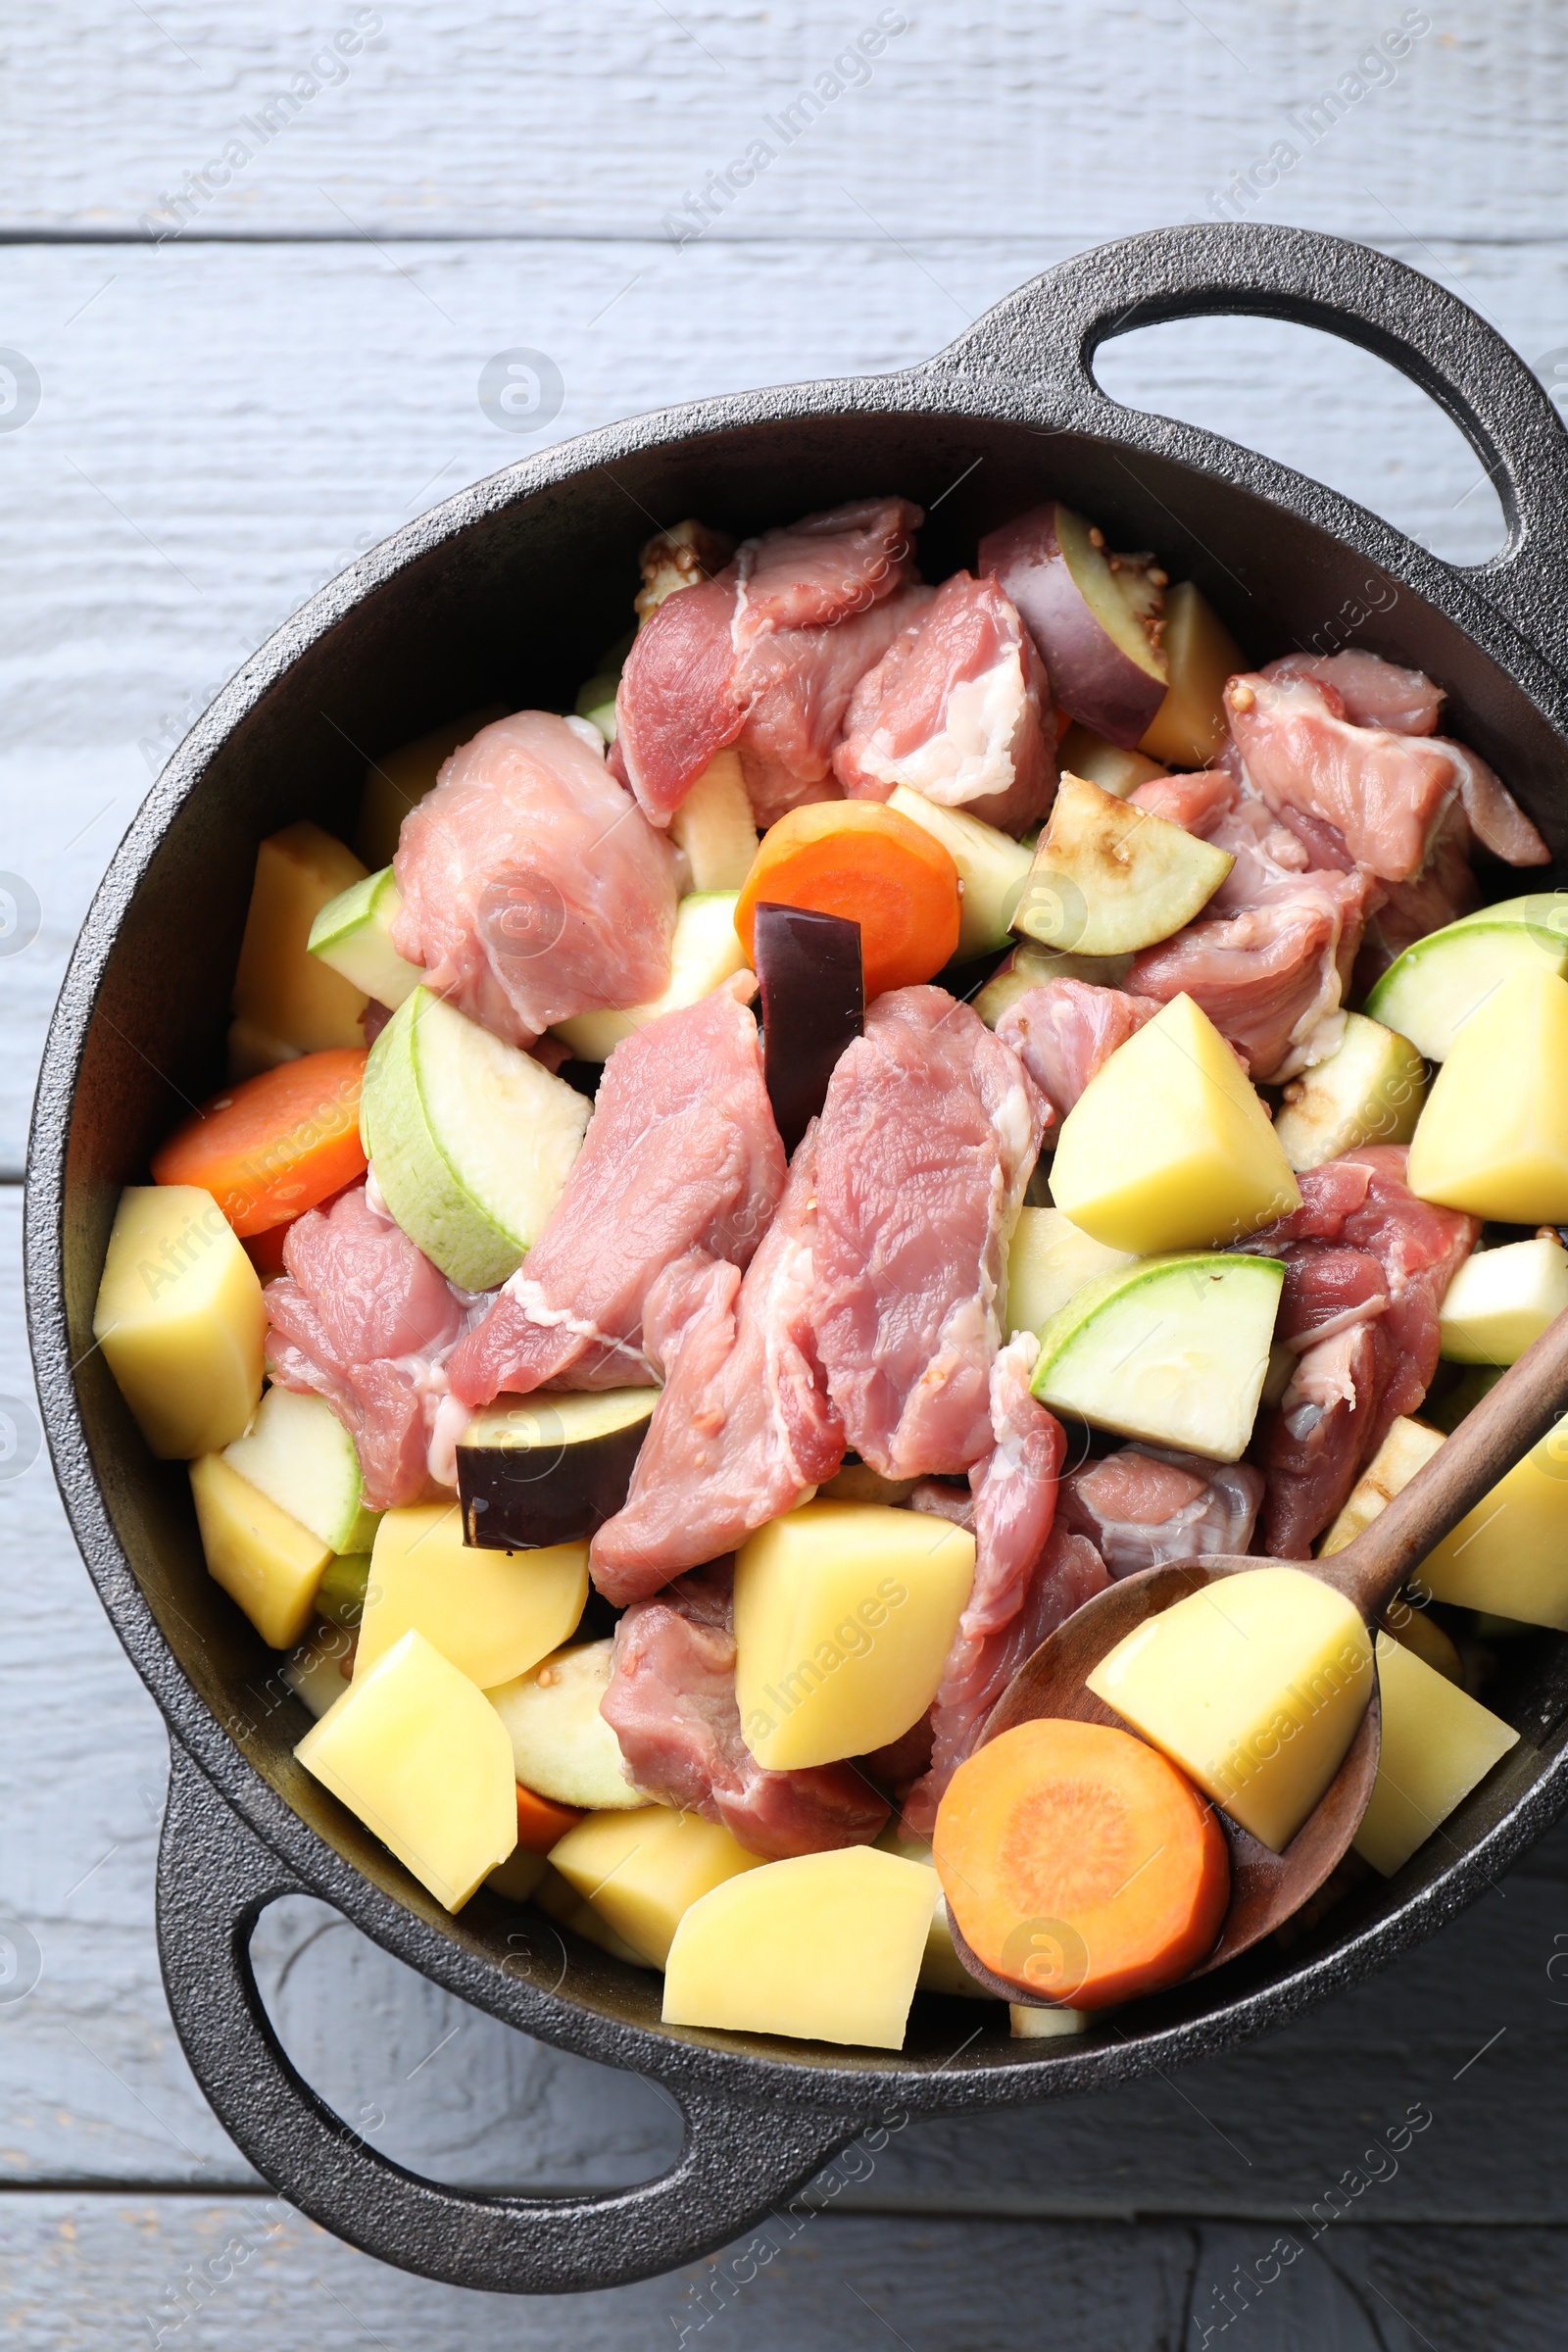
(1005, 113)
(322, 396)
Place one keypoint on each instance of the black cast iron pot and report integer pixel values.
(508, 592)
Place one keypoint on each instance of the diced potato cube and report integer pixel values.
(493, 1613)
(1169, 1147)
(180, 1319)
(1509, 1556)
(827, 1947)
(518, 1877)
(261, 1557)
(941, 1970)
(643, 1871)
(1500, 1300)
(844, 1616)
(1048, 1260)
(1493, 1136)
(558, 1899)
(315, 1671)
(419, 1754)
(280, 989)
(1254, 1685)
(1409, 1446)
(1438, 1745)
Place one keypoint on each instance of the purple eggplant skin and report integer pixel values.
(814, 1005)
(1092, 678)
(517, 1499)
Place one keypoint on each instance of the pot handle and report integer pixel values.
(1344, 289)
(215, 1879)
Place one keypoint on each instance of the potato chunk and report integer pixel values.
(180, 1319)
(1438, 1745)
(421, 1755)
(1168, 1146)
(1254, 1686)
(643, 1871)
(1500, 1300)
(1509, 1556)
(493, 1613)
(263, 1558)
(1050, 1260)
(1493, 1136)
(280, 989)
(827, 1947)
(844, 1616)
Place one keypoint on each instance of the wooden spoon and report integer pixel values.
(1268, 1888)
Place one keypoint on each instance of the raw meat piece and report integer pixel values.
(1374, 693)
(943, 1498)
(681, 1153)
(1029, 1576)
(1443, 890)
(1366, 1266)
(672, 1705)
(363, 1318)
(1144, 1505)
(927, 1139)
(1386, 792)
(1065, 1031)
(958, 710)
(534, 886)
(766, 655)
(743, 1428)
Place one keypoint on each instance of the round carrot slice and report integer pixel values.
(277, 1144)
(859, 859)
(1080, 1864)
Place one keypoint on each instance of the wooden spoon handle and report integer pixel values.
(1510, 1418)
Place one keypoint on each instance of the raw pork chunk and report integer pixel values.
(1144, 1505)
(681, 1153)
(533, 887)
(744, 1427)
(766, 656)
(1366, 1267)
(1386, 792)
(958, 709)
(672, 1705)
(927, 1139)
(1375, 693)
(363, 1318)
(1065, 1031)
(1028, 1576)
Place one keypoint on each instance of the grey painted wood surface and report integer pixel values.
(225, 417)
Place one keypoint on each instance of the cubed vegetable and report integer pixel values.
(992, 868)
(823, 1948)
(872, 866)
(1049, 1262)
(272, 1147)
(493, 1613)
(1189, 727)
(1500, 1300)
(1083, 753)
(561, 1746)
(1030, 964)
(1438, 1745)
(1430, 992)
(548, 1468)
(560, 1901)
(941, 1970)
(423, 1758)
(279, 987)
(180, 1319)
(1169, 1147)
(844, 1616)
(263, 1558)
(352, 935)
(1255, 1689)
(643, 1871)
(1509, 1556)
(703, 954)
(1409, 1446)
(1492, 1137)
(340, 1595)
(814, 1005)
(1095, 616)
(299, 1454)
(713, 823)
(1110, 877)
(398, 780)
(1369, 1091)
(315, 1671)
(1171, 1349)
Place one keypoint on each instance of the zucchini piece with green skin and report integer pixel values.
(547, 1469)
(1030, 965)
(703, 954)
(474, 1140)
(299, 1455)
(993, 869)
(562, 1745)
(1370, 1090)
(1049, 1262)
(353, 934)
(1171, 1349)
(340, 1595)
(1430, 992)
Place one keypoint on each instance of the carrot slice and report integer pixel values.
(265, 1250)
(541, 1822)
(1080, 1864)
(859, 859)
(275, 1146)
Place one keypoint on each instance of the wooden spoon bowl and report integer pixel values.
(1267, 1888)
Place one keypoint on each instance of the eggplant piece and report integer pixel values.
(813, 1004)
(548, 1468)
(1096, 616)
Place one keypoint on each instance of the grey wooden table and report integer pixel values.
(249, 289)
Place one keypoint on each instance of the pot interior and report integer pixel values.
(517, 604)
